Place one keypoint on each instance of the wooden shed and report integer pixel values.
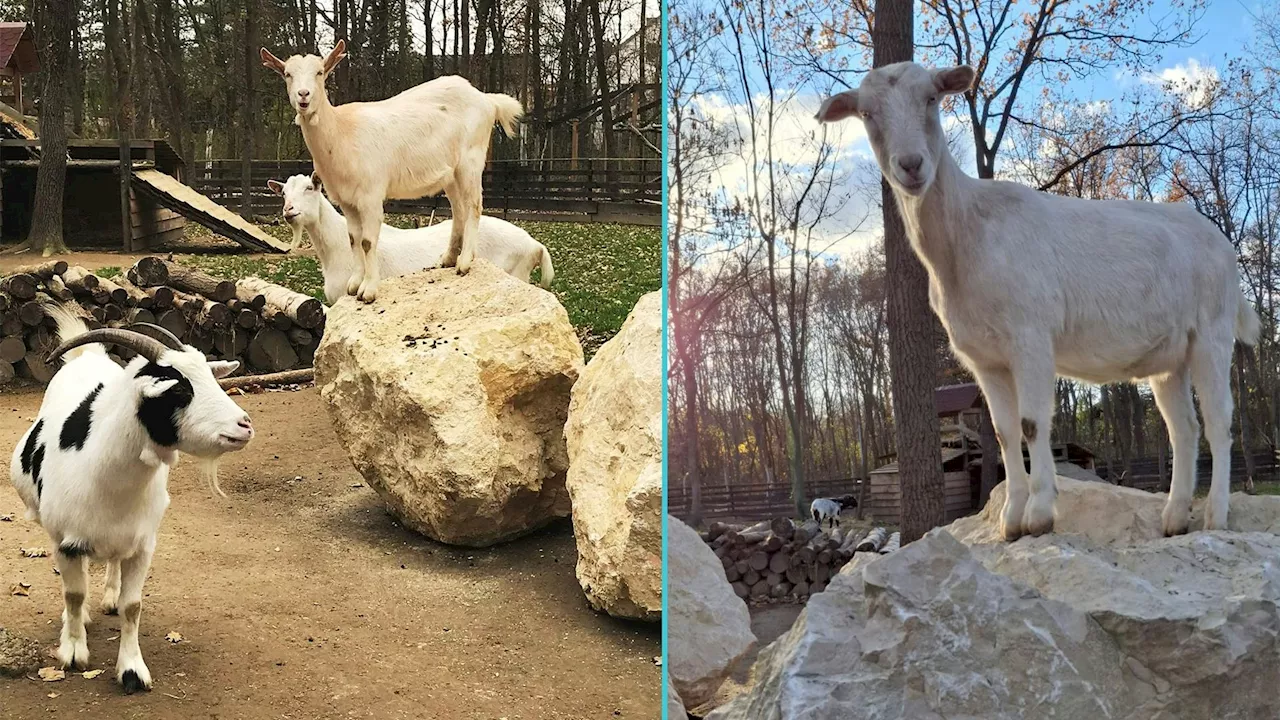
(962, 408)
(18, 57)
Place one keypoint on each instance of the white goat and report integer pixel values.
(428, 139)
(1029, 284)
(93, 470)
(827, 510)
(400, 252)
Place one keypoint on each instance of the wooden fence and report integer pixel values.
(627, 190)
(758, 501)
(753, 501)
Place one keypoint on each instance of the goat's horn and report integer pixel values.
(165, 336)
(145, 345)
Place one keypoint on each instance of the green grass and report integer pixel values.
(601, 270)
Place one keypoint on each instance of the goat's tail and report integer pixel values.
(548, 272)
(1248, 327)
(71, 325)
(507, 111)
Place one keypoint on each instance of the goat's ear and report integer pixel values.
(954, 80)
(315, 181)
(223, 368)
(335, 56)
(153, 387)
(838, 107)
(276, 186)
(271, 61)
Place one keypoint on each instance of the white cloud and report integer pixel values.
(1192, 82)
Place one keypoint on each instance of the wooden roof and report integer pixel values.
(947, 454)
(954, 399)
(190, 204)
(18, 47)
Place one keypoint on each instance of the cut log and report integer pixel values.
(140, 315)
(44, 270)
(758, 560)
(760, 589)
(779, 562)
(80, 281)
(731, 574)
(10, 323)
(781, 590)
(298, 336)
(750, 577)
(248, 318)
(58, 289)
(152, 271)
(784, 528)
(873, 540)
(173, 321)
(21, 286)
(892, 544)
(5, 301)
(252, 298)
(303, 310)
(797, 575)
(291, 377)
(12, 349)
(31, 313)
(773, 578)
(36, 367)
(7, 373)
(114, 292)
(161, 298)
(270, 351)
(741, 589)
(771, 544)
(137, 296)
(801, 589)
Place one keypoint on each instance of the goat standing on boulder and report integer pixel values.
(430, 138)
(1029, 284)
(94, 468)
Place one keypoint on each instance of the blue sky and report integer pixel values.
(1222, 32)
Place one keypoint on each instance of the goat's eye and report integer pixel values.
(288, 75)
(933, 99)
(866, 115)
(319, 73)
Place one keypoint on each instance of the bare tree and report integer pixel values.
(46, 224)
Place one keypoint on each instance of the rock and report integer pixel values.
(1103, 618)
(19, 656)
(709, 627)
(450, 394)
(614, 437)
(675, 709)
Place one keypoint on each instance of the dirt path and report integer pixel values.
(305, 599)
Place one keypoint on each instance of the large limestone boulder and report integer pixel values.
(709, 629)
(450, 394)
(675, 708)
(1102, 619)
(614, 437)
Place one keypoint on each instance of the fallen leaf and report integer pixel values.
(174, 637)
(52, 674)
(91, 674)
(7, 517)
(657, 660)
(53, 695)
(35, 552)
(357, 485)
(23, 589)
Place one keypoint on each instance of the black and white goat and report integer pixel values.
(828, 509)
(93, 470)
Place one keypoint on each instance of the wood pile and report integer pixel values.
(782, 560)
(268, 328)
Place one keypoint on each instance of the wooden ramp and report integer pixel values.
(190, 204)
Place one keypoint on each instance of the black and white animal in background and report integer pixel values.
(94, 468)
(827, 510)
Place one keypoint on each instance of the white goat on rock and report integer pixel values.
(400, 252)
(1030, 284)
(430, 138)
(93, 470)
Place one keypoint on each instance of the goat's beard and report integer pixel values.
(296, 227)
(208, 468)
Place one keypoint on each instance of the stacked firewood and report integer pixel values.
(267, 327)
(782, 560)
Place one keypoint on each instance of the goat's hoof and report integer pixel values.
(1212, 520)
(109, 608)
(368, 293)
(448, 260)
(135, 679)
(1010, 531)
(73, 655)
(1175, 522)
(353, 286)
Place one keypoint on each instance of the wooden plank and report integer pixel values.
(191, 204)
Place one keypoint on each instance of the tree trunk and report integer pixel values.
(693, 470)
(248, 118)
(602, 79)
(912, 361)
(46, 224)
